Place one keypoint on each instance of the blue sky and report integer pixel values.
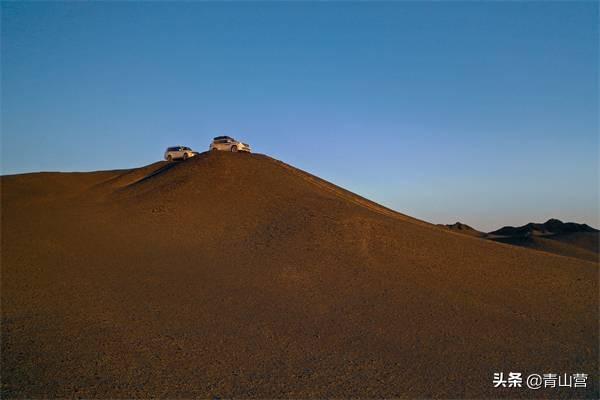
(483, 112)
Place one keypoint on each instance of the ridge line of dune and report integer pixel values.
(347, 194)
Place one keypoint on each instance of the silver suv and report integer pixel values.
(179, 153)
(226, 143)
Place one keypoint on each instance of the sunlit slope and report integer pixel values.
(234, 275)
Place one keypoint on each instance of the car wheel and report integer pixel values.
(169, 158)
(185, 156)
(234, 149)
(214, 149)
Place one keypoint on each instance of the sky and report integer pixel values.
(479, 112)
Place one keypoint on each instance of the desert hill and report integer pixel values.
(551, 227)
(465, 229)
(554, 236)
(236, 275)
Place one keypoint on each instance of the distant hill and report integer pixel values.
(553, 236)
(465, 229)
(550, 227)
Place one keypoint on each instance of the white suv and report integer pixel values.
(226, 143)
(179, 153)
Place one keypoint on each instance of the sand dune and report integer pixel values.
(235, 275)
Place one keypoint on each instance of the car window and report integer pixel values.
(187, 148)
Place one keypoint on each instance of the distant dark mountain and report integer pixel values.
(465, 229)
(548, 228)
(554, 236)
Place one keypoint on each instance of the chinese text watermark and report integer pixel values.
(539, 381)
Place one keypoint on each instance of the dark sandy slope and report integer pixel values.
(578, 244)
(234, 275)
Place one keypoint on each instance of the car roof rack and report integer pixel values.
(223, 137)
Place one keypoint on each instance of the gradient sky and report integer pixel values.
(483, 112)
